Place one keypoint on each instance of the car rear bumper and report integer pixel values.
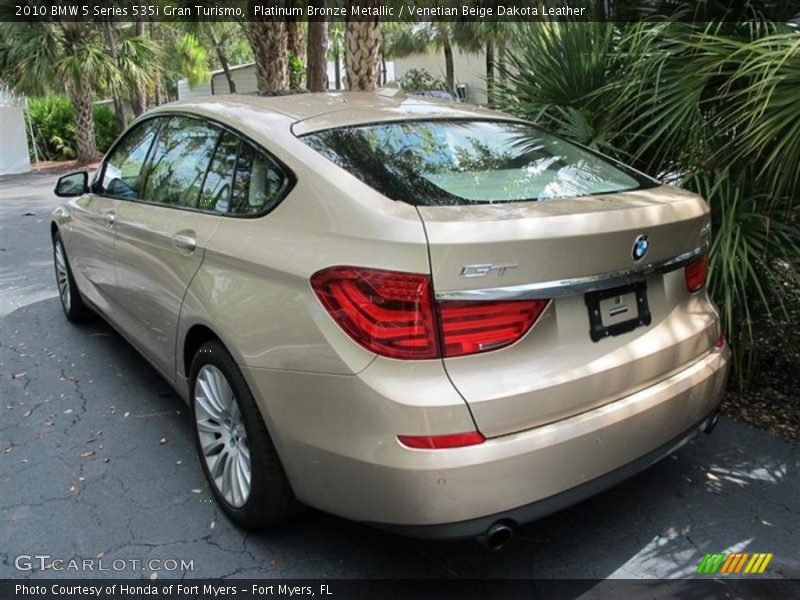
(518, 477)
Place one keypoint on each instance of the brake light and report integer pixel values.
(471, 327)
(438, 442)
(395, 315)
(387, 312)
(696, 273)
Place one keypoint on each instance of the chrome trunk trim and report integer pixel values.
(575, 285)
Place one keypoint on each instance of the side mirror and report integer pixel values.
(74, 184)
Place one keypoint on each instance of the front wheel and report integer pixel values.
(236, 451)
(71, 301)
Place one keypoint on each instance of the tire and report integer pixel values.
(219, 420)
(72, 302)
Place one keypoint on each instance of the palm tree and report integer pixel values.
(38, 57)
(317, 54)
(269, 42)
(362, 50)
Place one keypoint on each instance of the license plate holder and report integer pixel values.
(609, 308)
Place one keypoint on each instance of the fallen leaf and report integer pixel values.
(68, 411)
(273, 562)
(106, 460)
(178, 462)
(8, 450)
(767, 523)
(73, 488)
(81, 478)
(100, 555)
(196, 491)
(127, 414)
(27, 413)
(162, 441)
(712, 477)
(212, 525)
(18, 374)
(87, 453)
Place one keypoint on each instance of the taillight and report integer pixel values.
(696, 273)
(437, 442)
(384, 311)
(395, 314)
(471, 327)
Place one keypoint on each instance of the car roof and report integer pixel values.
(308, 112)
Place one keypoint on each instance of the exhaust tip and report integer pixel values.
(711, 424)
(497, 537)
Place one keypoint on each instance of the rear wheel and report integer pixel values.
(71, 301)
(236, 451)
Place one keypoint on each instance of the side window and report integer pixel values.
(123, 173)
(257, 183)
(178, 162)
(219, 179)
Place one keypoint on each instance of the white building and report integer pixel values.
(14, 147)
(469, 69)
(244, 77)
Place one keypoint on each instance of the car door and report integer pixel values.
(161, 238)
(92, 229)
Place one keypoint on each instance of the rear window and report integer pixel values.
(433, 163)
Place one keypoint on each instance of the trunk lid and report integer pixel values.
(563, 249)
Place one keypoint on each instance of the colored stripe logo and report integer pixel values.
(734, 563)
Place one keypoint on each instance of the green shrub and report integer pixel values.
(106, 129)
(419, 80)
(53, 127)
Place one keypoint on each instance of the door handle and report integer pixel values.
(109, 218)
(185, 241)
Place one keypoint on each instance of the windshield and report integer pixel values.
(471, 162)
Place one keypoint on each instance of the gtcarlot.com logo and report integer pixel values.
(45, 562)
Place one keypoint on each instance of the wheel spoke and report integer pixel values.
(214, 447)
(209, 426)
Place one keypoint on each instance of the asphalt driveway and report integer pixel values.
(96, 462)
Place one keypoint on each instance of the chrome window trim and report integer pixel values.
(575, 285)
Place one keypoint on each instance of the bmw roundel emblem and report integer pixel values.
(640, 247)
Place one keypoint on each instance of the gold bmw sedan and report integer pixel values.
(426, 316)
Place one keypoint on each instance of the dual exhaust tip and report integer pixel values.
(500, 533)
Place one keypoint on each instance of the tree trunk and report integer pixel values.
(294, 42)
(501, 60)
(119, 107)
(268, 40)
(158, 95)
(223, 60)
(449, 69)
(490, 73)
(317, 58)
(139, 103)
(361, 50)
(337, 68)
(84, 122)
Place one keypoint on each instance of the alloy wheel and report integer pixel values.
(222, 434)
